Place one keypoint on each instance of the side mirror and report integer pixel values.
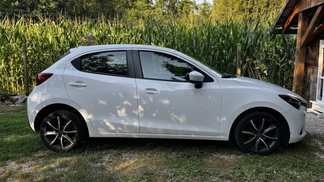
(196, 78)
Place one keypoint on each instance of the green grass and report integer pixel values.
(17, 141)
(23, 157)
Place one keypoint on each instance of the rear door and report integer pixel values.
(103, 85)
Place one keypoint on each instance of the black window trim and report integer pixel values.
(65, 54)
(76, 62)
(138, 66)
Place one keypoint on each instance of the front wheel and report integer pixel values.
(62, 131)
(258, 133)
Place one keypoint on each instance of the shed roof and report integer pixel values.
(287, 20)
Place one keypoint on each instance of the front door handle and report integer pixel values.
(151, 91)
(77, 84)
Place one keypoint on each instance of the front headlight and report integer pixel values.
(294, 101)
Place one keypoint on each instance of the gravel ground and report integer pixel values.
(314, 125)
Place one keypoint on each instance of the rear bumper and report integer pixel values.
(31, 111)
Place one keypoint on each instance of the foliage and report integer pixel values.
(246, 10)
(38, 8)
(214, 44)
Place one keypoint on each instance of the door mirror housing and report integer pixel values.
(196, 78)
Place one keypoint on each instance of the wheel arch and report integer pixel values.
(276, 114)
(53, 107)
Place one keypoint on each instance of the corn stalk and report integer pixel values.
(211, 43)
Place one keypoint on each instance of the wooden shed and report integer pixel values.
(306, 19)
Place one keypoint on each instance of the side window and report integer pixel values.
(166, 67)
(103, 62)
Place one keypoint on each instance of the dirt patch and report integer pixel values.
(315, 142)
(226, 157)
(24, 167)
(319, 155)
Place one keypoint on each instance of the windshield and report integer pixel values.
(210, 68)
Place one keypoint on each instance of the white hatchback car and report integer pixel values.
(141, 91)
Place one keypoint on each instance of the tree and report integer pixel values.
(185, 7)
(247, 10)
(29, 7)
(205, 9)
(169, 7)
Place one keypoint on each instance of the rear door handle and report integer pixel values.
(77, 84)
(151, 91)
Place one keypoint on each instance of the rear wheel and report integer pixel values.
(258, 133)
(62, 131)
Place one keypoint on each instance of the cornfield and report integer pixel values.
(267, 57)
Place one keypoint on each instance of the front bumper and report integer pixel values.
(296, 121)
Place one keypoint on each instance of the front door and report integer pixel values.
(169, 104)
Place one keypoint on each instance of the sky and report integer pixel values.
(200, 1)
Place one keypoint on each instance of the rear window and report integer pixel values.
(114, 63)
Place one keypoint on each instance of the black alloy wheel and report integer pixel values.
(62, 131)
(259, 133)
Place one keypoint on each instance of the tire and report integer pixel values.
(258, 133)
(62, 131)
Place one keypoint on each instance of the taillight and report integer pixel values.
(42, 77)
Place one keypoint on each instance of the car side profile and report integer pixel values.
(141, 91)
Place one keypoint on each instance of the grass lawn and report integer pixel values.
(23, 157)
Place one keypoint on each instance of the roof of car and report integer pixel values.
(124, 46)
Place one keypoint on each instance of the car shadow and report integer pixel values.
(101, 144)
(177, 145)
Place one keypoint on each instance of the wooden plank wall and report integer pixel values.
(312, 54)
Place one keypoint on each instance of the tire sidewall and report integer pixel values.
(243, 123)
(66, 115)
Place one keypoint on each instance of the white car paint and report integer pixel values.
(177, 108)
(241, 94)
(130, 107)
(109, 101)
